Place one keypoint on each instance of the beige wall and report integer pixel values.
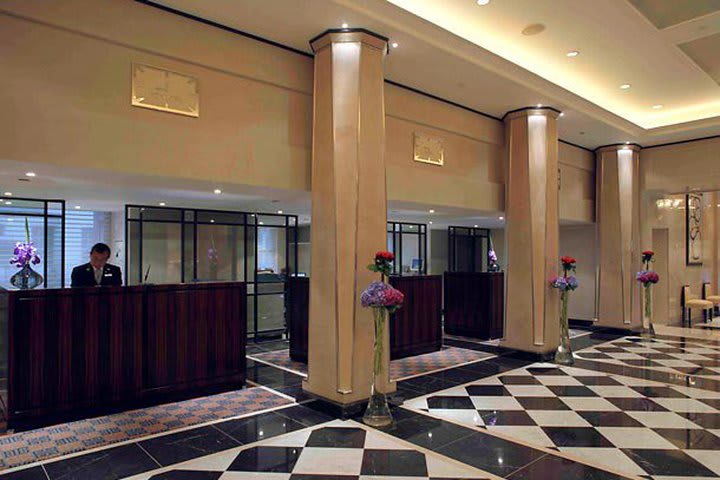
(667, 172)
(579, 242)
(65, 90)
(577, 183)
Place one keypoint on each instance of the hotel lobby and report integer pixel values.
(359, 239)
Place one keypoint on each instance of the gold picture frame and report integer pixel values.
(428, 149)
(164, 90)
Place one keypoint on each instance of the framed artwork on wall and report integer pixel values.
(693, 229)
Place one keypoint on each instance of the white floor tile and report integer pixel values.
(709, 458)
(662, 420)
(558, 380)
(529, 391)
(614, 391)
(439, 467)
(608, 457)
(590, 404)
(466, 417)
(379, 441)
(496, 403)
(629, 437)
(557, 418)
(337, 461)
(527, 434)
(684, 405)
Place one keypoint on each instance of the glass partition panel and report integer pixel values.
(408, 242)
(468, 249)
(161, 253)
(221, 252)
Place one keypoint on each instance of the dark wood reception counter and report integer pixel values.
(415, 329)
(76, 350)
(474, 304)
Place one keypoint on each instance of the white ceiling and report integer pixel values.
(476, 56)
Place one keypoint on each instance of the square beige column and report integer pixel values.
(617, 196)
(532, 230)
(349, 212)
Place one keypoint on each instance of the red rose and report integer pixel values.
(386, 256)
(648, 252)
(567, 260)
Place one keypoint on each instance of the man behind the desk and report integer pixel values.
(97, 272)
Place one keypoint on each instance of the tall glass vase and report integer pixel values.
(378, 413)
(648, 330)
(564, 355)
(26, 278)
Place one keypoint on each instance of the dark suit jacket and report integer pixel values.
(84, 276)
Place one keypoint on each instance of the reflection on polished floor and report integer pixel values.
(500, 417)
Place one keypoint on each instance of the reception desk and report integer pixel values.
(74, 351)
(474, 304)
(415, 329)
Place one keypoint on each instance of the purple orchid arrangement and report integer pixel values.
(25, 253)
(381, 295)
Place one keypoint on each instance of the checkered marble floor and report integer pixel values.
(697, 357)
(629, 425)
(400, 369)
(342, 450)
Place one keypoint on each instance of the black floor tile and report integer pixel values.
(492, 454)
(188, 444)
(636, 405)
(258, 427)
(659, 392)
(456, 375)
(594, 355)
(542, 403)
(552, 467)
(266, 459)
(112, 463)
(713, 402)
(337, 437)
(450, 402)
(305, 476)
(668, 462)
(610, 419)
(690, 439)
(427, 384)
(34, 473)
(596, 381)
(427, 432)
(637, 362)
(546, 371)
(577, 437)
(187, 475)
(705, 420)
(305, 414)
(572, 391)
(488, 391)
(405, 463)
(519, 380)
(505, 417)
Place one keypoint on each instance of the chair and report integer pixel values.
(706, 293)
(690, 302)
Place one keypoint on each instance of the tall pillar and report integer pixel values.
(617, 197)
(349, 212)
(532, 230)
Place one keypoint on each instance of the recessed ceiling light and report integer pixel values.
(501, 218)
(625, 86)
(8, 203)
(77, 207)
(572, 53)
(562, 114)
(394, 44)
(482, 3)
(280, 212)
(627, 143)
(657, 107)
(162, 204)
(344, 25)
(431, 211)
(475, 226)
(212, 220)
(29, 174)
(261, 223)
(539, 105)
(430, 222)
(8, 194)
(217, 191)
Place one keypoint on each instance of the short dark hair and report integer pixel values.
(100, 248)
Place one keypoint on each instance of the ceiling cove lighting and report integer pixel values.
(625, 86)
(29, 174)
(217, 191)
(572, 54)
